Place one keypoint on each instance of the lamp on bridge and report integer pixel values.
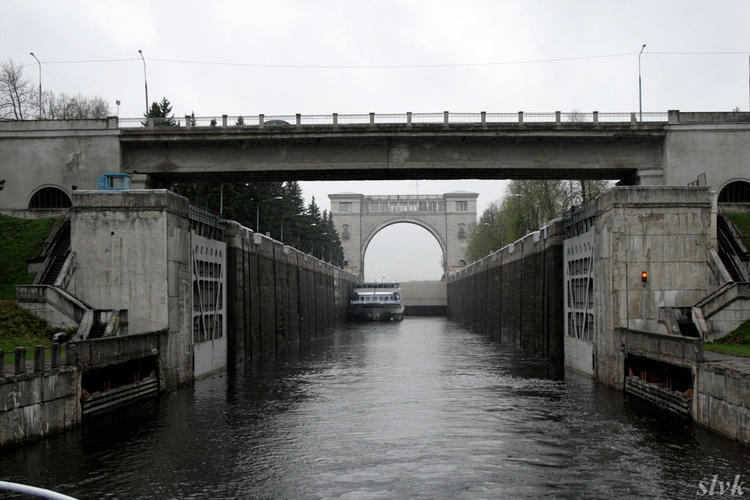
(145, 80)
(640, 94)
(257, 211)
(40, 84)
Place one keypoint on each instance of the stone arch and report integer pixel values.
(432, 230)
(442, 215)
(735, 191)
(49, 197)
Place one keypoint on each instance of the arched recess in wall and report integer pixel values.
(735, 192)
(50, 198)
(399, 253)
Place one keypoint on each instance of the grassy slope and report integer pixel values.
(20, 328)
(742, 222)
(20, 239)
(736, 343)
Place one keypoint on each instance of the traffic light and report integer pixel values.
(644, 276)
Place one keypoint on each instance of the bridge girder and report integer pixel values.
(391, 153)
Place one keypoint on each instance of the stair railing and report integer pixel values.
(730, 245)
(66, 273)
(48, 247)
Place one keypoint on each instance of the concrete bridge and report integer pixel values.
(44, 160)
(400, 147)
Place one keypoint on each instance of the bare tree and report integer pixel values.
(65, 107)
(17, 93)
(527, 206)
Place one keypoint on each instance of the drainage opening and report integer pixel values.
(663, 384)
(107, 388)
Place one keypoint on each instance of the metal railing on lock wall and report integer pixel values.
(207, 216)
(445, 118)
(579, 213)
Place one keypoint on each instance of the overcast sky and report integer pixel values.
(284, 57)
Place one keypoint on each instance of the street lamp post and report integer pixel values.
(640, 93)
(282, 222)
(323, 245)
(145, 80)
(40, 84)
(257, 211)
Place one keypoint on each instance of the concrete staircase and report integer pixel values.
(55, 260)
(732, 252)
(49, 298)
(728, 307)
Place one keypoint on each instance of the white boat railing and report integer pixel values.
(32, 490)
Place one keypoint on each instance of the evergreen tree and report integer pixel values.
(161, 113)
(274, 203)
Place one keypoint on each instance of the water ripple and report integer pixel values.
(417, 409)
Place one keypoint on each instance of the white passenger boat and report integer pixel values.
(376, 302)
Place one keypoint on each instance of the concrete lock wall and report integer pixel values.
(665, 231)
(723, 393)
(133, 252)
(39, 404)
(515, 294)
(279, 298)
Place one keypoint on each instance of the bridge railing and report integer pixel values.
(445, 118)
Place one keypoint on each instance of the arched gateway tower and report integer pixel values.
(448, 217)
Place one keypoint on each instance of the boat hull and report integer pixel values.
(376, 312)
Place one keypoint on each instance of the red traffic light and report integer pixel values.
(644, 276)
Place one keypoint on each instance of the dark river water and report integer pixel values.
(418, 409)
